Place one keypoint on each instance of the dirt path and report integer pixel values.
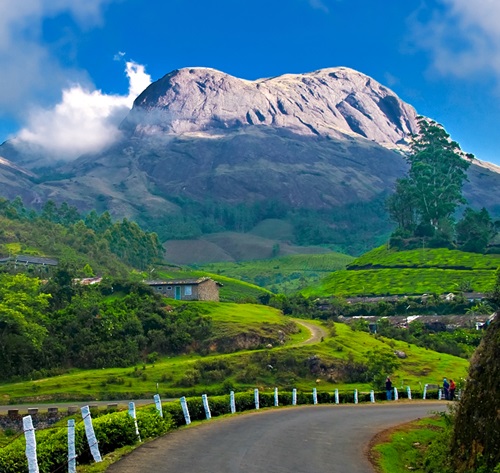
(317, 333)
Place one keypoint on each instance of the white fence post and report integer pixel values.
(276, 398)
(315, 396)
(355, 396)
(89, 432)
(185, 410)
(396, 395)
(336, 396)
(232, 402)
(71, 446)
(294, 397)
(208, 414)
(408, 390)
(131, 413)
(425, 392)
(159, 408)
(29, 434)
(372, 396)
(440, 395)
(256, 398)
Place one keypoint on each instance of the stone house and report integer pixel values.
(201, 289)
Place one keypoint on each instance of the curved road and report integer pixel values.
(317, 333)
(319, 439)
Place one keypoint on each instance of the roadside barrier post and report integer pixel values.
(185, 410)
(408, 390)
(294, 397)
(336, 396)
(276, 399)
(355, 396)
(425, 392)
(232, 402)
(131, 413)
(372, 396)
(440, 395)
(71, 446)
(89, 432)
(396, 395)
(157, 399)
(29, 434)
(256, 397)
(315, 396)
(208, 414)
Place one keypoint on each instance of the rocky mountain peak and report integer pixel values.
(335, 102)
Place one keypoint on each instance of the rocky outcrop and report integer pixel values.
(334, 103)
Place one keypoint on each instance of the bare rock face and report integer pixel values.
(334, 103)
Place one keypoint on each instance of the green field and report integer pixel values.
(245, 369)
(428, 271)
(287, 274)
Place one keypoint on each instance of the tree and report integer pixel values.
(432, 190)
(475, 230)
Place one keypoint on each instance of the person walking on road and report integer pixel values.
(446, 389)
(388, 388)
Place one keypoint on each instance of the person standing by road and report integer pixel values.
(388, 388)
(446, 389)
(453, 386)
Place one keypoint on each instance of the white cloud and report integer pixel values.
(29, 69)
(319, 5)
(84, 121)
(462, 36)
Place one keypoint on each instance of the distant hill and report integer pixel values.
(425, 271)
(203, 152)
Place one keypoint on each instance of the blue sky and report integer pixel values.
(71, 68)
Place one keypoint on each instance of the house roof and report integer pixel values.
(178, 282)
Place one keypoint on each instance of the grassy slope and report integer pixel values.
(286, 274)
(421, 366)
(410, 272)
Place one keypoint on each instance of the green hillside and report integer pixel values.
(425, 271)
(287, 274)
(337, 362)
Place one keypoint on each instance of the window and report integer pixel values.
(169, 288)
(188, 290)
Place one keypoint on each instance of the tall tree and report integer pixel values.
(433, 186)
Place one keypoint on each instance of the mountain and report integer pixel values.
(326, 141)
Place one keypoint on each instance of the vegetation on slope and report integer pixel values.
(287, 274)
(425, 271)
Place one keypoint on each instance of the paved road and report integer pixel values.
(308, 439)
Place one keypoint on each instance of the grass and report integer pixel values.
(286, 274)
(404, 450)
(427, 271)
(241, 370)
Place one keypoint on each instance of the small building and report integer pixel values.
(201, 289)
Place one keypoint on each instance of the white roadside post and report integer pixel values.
(440, 395)
(355, 396)
(424, 395)
(408, 391)
(396, 395)
(256, 398)
(71, 446)
(208, 414)
(315, 396)
(29, 434)
(232, 402)
(159, 408)
(89, 432)
(294, 397)
(276, 399)
(185, 410)
(336, 396)
(131, 413)
(372, 396)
